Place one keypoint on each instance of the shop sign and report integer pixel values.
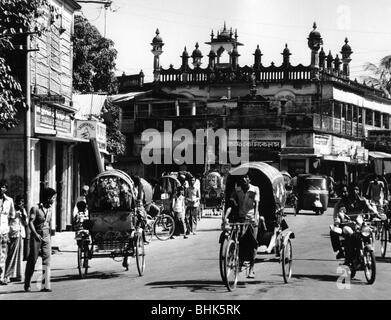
(63, 121)
(52, 118)
(322, 144)
(45, 116)
(92, 129)
(270, 145)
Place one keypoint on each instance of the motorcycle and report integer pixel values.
(363, 258)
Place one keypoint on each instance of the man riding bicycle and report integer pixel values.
(245, 200)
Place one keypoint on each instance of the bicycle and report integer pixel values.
(162, 226)
(229, 254)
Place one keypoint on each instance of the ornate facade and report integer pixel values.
(304, 118)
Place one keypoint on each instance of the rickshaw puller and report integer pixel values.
(247, 197)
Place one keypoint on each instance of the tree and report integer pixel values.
(93, 59)
(381, 75)
(115, 139)
(16, 17)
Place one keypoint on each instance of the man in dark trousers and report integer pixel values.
(39, 223)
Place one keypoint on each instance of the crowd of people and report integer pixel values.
(23, 237)
(186, 204)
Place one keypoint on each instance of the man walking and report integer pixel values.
(39, 223)
(193, 203)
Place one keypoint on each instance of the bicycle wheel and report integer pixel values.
(286, 261)
(223, 247)
(231, 265)
(370, 266)
(82, 259)
(140, 254)
(164, 227)
(383, 241)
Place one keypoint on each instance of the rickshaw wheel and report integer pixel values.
(82, 259)
(140, 254)
(164, 227)
(286, 261)
(383, 241)
(231, 265)
(223, 247)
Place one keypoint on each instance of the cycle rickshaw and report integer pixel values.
(114, 225)
(271, 206)
(212, 198)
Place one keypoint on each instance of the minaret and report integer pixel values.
(235, 57)
(337, 63)
(346, 52)
(257, 58)
(157, 45)
(185, 59)
(330, 60)
(286, 53)
(212, 59)
(197, 56)
(322, 59)
(314, 43)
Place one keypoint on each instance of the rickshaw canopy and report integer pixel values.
(166, 184)
(269, 181)
(111, 190)
(213, 180)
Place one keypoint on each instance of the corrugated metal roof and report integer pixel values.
(123, 97)
(88, 104)
(379, 155)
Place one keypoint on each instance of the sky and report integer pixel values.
(131, 24)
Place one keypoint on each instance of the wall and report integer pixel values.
(51, 66)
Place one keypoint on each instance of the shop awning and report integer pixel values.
(61, 138)
(337, 158)
(124, 97)
(299, 155)
(379, 155)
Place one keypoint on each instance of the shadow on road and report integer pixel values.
(193, 285)
(93, 275)
(322, 260)
(383, 260)
(319, 277)
(209, 230)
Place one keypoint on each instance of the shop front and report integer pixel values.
(341, 158)
(52, 158)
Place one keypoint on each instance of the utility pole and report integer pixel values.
(107, 4)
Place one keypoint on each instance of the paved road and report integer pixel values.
(189, 269)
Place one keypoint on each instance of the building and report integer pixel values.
(305, 118)
(44, 149)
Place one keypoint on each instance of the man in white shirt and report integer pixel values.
(247, 197)
(7, 211)
(192, 195)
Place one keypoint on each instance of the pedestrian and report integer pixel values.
(17, 234)
(197, 185)
(7, 211)
(179, 209)
(376, 190)
(39, 223)
(192, 195)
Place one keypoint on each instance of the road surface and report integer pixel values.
(189, 269)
